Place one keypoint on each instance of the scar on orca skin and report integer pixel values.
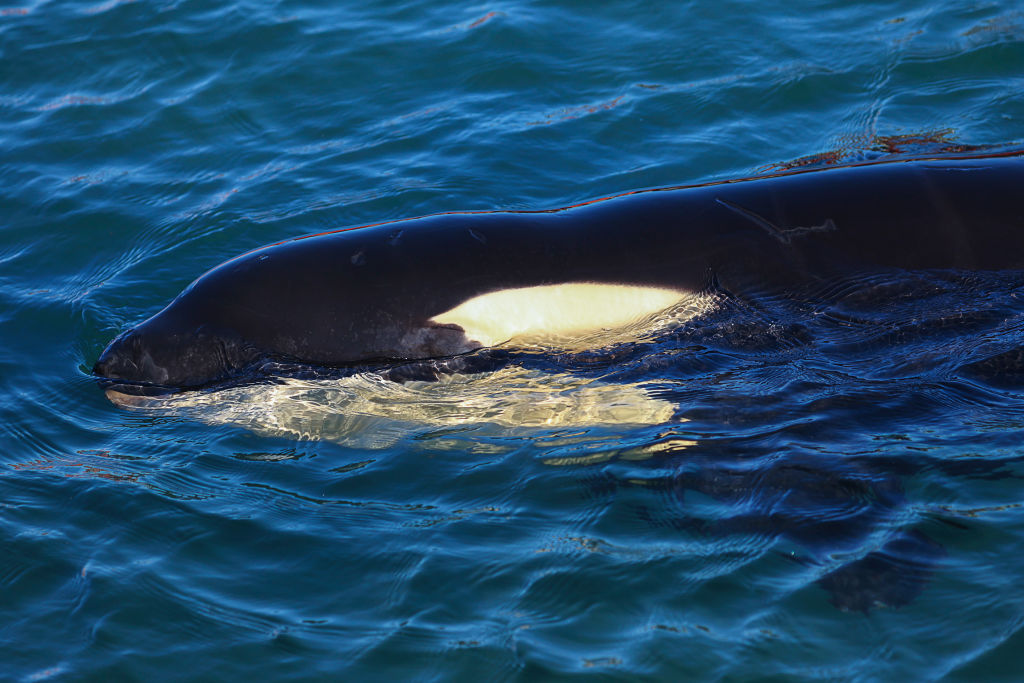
(784, 235)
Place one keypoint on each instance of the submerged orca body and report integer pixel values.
(449, 283)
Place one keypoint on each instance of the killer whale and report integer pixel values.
(449, 283)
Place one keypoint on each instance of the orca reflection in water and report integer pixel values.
(841, 518)
(446, 284)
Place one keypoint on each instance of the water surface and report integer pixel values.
(780, 488)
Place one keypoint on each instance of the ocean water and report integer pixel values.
(774, 489)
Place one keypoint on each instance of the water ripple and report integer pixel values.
(825, 473)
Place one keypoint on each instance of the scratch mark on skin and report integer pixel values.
(784, 235)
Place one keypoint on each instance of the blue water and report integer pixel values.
(779, 490)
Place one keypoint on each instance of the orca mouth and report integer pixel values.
(125, 361)
(133, 388)
(113, 370)
(110, 365)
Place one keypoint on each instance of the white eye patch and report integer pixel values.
(575, 308)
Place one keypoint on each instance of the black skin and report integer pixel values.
(367, 294)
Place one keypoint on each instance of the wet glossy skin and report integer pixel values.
(376, 293)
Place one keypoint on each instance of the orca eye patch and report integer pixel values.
(563, 310)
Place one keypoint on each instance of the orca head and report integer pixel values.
(179, 348)
(168, 352)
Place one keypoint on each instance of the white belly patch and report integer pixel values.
(566, 310)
